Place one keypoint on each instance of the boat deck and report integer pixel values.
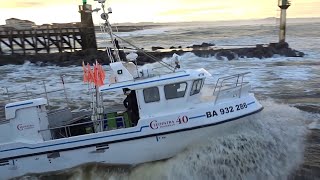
(63, 123)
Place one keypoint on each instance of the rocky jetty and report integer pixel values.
(206, 50)
(203, 45)
(203, 50)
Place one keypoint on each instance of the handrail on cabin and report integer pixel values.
(27, 94)
(221, 80)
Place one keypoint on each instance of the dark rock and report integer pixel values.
(172, 47)
(260, 46)
(268, 54)
(203, 45)
(299, 54)
(282, 45)
(272, 49)
(287, 52)
(180, 47)
(13, 59)
(60, 59)
(207, 44)
(156, 48)
(258, 53)
(227, 54)
(249, 54)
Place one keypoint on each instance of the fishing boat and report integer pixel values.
(162, 115)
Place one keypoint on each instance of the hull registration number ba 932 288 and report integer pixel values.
(226, 110)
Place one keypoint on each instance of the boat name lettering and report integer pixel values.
(226, 110)
(183, 119)
(22, 127)
(155, 124)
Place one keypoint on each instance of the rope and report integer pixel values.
(238, 45)
(171, 68)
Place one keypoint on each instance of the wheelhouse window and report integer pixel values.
(151, 95)
(196, 87)
(176, 90)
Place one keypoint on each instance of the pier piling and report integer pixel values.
(87, 28)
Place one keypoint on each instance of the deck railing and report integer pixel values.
(92, 126)
(229, 82)
(12, 96)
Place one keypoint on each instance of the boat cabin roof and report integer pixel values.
(11, 108)
(185, 75)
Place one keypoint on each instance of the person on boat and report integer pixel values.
(176, 62)
(131, 104)
(116, 42)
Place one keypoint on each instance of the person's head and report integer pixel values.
(126, 91)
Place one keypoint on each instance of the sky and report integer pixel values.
(62, 11)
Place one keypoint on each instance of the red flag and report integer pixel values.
(90, 74)
(95, 75)
(103, 73)
(99, 74)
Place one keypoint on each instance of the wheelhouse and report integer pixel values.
(161, 95)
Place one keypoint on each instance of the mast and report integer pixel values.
(105, 16)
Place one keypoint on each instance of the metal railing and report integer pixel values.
(95, 125)
(224, 84)
(27, 94)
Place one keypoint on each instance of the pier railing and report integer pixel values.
(41, 40)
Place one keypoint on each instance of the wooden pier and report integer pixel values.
(49, 40)
(41, 40)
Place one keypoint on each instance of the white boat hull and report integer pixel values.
(154, 141)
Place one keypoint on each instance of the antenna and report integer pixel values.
(105, 16)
